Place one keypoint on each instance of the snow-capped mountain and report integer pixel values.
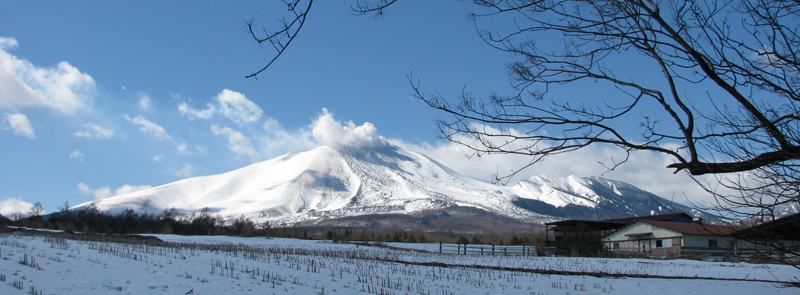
(787, 209)
(334, 182)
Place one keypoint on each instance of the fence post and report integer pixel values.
(440, 247)
(492, 249)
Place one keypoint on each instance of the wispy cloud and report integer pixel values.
(91, 130)
(144, 102)
(192, 113)
(22, 84)
(84, 188)
(19, 124)
(237, 142)
(149, 128)
(237, 108)
(156, 131)
(186, 171)
(107, 192)
(278, 140)
(643, 169)
(77, 154)
(232, 105)
(127, 188)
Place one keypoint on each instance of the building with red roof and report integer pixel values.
(664, 238)
(582, 237)
(673, 235)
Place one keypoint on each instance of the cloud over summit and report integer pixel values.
(326, 130)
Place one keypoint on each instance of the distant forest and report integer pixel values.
(93, 221)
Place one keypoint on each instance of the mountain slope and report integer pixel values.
(340, 183)
(592, 198)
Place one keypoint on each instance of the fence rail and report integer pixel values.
(687, 252)
(467, 249)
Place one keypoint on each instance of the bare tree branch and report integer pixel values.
(714, 85)
(284, 36)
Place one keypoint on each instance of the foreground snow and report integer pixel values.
(227, 265)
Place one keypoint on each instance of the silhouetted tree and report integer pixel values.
(713, 85)
(37, 209)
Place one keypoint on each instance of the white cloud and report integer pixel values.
(192, 113)
(158, 158)
(77, 154)
(106, 192)
(186, 171)
(231, 104)
(237, 108)
(144, 102)
(102, 193)
(154, 130)
(19, 124)
(181, 147)
(91, 130)
(10, 206)
(63, 87)
(279, 141)
(129, 189)
(8, 43)
(643, 169)
(237, 142)
(271, 124)
(84, 188)
(149, 128)
(326, 130)
(200, 150)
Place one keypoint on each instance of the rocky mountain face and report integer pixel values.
(341, 186)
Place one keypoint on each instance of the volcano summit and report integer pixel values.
(342, 183)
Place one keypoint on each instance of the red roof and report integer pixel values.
(694, 228)
(610, 224)
(663, 217)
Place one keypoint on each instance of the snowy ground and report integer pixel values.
(229, 265)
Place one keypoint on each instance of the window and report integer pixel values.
(616, 246)
(659, 244)
(712, 243)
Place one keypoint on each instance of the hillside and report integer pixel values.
(335, 185)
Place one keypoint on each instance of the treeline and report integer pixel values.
(395, 234)
(91, 220)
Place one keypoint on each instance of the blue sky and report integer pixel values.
(101, 98)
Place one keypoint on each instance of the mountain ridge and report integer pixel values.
(338, 182)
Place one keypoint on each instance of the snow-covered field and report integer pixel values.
(230, 265)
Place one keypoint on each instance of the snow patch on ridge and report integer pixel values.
(558, 191)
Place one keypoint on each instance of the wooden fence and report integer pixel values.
(466, 249)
